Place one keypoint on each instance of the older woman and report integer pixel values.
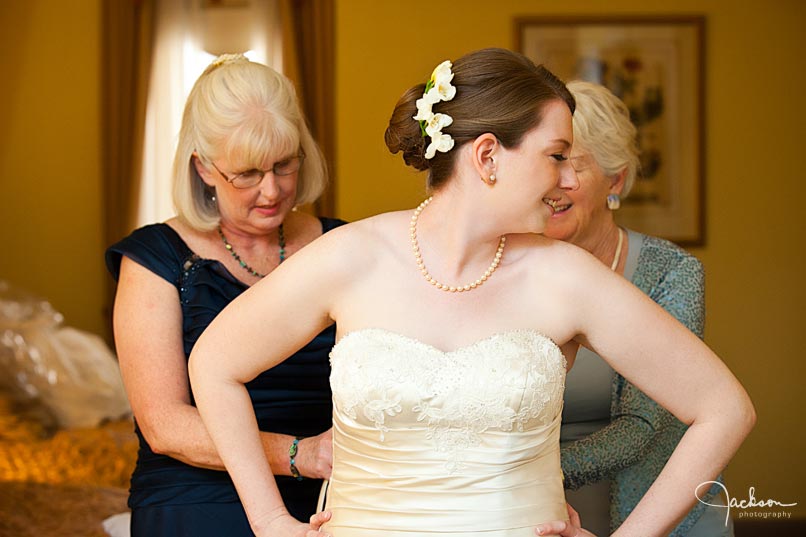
(615, 439)
(244, 161)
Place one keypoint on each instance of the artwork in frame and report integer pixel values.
(656, 66)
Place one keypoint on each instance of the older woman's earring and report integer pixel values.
(212, 198)
(613, 201)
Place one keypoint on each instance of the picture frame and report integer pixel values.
(656, 65)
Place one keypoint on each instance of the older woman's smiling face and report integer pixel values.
(578, 212)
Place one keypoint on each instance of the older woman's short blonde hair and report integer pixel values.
(602, 128)
(246, 113)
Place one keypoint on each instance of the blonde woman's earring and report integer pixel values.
(613, 201)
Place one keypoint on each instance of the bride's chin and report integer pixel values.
(538, 227)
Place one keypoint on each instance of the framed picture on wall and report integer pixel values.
(655, 65)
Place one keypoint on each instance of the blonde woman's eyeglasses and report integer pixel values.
(250, 178)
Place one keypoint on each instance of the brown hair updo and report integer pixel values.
(497, 91)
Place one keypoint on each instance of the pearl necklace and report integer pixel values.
(246, 267)
(421, 264)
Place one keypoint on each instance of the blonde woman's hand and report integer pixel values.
(315, 456)
(288, 526)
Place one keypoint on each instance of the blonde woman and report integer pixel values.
(245, 159)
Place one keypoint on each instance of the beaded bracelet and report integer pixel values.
(292, 453)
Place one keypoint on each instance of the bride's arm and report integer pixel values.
(258, 330)
(675, 368)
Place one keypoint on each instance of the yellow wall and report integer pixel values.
(50, 214)
(756, 188)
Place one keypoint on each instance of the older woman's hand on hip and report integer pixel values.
(571, 528)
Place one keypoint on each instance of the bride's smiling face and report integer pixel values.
(539, 166)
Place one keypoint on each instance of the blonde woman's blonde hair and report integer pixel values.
(245, 113)
(602, 127)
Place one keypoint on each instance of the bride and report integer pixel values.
(456, 324)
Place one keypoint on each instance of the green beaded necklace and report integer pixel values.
(243, 263)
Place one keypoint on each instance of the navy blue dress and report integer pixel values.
(171, 498)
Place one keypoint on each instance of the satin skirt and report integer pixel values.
(504, 487)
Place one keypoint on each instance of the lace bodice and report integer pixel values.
(503, 382)
(453, 434)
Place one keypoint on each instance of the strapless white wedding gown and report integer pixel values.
(433, 443)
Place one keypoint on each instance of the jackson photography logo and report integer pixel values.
(746, 508)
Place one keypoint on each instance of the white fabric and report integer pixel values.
(118, 525)
(427, 442)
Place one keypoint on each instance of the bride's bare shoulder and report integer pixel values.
(366, 237)
(563, 265)
(548, 251)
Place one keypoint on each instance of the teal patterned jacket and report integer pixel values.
(632, 450)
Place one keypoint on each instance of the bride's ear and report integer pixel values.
(483, 153)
